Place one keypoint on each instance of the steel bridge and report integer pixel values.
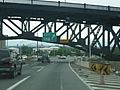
(87, 26)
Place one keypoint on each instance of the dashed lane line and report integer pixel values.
(39, 69)
(18, 83)
(61, 83)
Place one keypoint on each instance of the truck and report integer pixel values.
(10, 63)
(44, 58)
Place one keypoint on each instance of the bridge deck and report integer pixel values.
(92, 14)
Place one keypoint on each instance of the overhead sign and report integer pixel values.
(64, 41)
(49, 37)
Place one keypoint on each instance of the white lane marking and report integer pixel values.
(100, 88)
(109, 83)
(18, 83)
(61, 83)
(105, 86)
(61, 86)
(80, 78)
(40, 69)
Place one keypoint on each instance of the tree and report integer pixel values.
(66, 51)
(25, 50)
(39, 52)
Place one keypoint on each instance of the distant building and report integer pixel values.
(2, 44)
(48, 49)
(15, 49)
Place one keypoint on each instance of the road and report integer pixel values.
(55, 76)
(112, 82)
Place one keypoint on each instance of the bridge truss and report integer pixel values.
(101, 39)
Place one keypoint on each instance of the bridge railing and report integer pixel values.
(114, 9)
(16, 1)
(50, 3)
(96, 7)
(75, 5)
(63, 4)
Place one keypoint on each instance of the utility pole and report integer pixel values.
(37, 47)
(20, 50)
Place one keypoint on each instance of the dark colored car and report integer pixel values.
(9, 63)
(45, 58)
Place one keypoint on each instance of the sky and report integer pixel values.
(115, 3)
(95, 2)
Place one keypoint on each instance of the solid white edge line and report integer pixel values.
(40, 69)
(80, 78)
(18, 83)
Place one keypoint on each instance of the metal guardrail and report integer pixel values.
(63, 4)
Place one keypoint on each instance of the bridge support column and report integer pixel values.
(79, 31)
(103, 38)
(89, 43)
(107, 28)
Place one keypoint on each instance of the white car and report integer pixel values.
(62, 57)
(24, 56)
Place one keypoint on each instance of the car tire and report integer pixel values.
(19, 73)
(12, 74)
(20, 70)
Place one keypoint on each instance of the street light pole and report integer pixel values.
(90, 50)
(7, 42)
(20, 50)
(37, 47)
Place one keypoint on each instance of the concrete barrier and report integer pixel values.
(82, 63)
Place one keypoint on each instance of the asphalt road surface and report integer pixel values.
(55, 76)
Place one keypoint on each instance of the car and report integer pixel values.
(39, 58)
(45, 58)
(22, 60)
(62, 57)
(9, 63)
(24, 57)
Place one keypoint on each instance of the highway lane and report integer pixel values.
(56, 76)
(28, 70)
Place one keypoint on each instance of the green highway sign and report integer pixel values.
(49, 37)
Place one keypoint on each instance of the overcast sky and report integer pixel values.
(95, 2)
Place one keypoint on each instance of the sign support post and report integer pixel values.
(102, 77)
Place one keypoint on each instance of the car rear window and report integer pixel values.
(4, 54)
